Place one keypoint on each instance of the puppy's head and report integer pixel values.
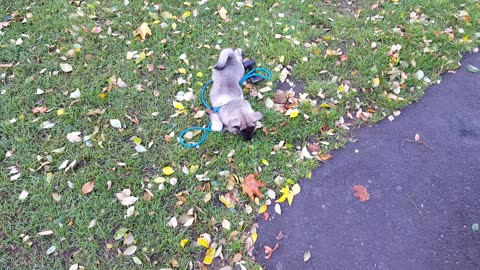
(238, 118)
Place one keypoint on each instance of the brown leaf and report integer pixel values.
(42, 109)
(251, 186)
(324, 157)
(279, 236)
(266, 215)
(269, 251)
(237, 258)
(361, 193)
(88, 187)
(148, 195)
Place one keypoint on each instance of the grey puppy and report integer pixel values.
(235, 114)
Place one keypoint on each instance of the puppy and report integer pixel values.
(235, 114)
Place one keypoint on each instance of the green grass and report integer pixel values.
(56, 27)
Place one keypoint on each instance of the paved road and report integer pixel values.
(422, 202)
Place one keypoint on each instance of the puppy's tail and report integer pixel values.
(223, 58)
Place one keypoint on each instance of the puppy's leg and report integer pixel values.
(217, 124)
(223, 58)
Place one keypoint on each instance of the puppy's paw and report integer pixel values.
(217, 124)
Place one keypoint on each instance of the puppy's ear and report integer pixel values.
(217, 124)
(223, 58)
(257, 116)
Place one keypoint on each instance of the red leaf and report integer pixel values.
(251, 186)
(361, 193)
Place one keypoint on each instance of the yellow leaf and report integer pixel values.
(262, 209)
(294, 114)
(187, 14)
(209, 256)
(187, 4)
(141, 57)
(265, 162)
(60, 112)
(136, 140)
(199, 74)
(287, 195)
(228, 203)
(376, 82)
(102, 95)
(182, 71)
(203, 242)
(183, 242)
(143, 31)
(178, 105)
(168, 170)
(254, 237)
(159, 180)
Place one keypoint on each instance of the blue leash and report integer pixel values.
(250, 74)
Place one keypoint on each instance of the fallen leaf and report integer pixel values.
(92, 223)
(269, 251)
(143, 31)
(88, 187)
(129, 200)
(136, 260)
(47, 232)
(115, 123)
(167, 170)
(251, 186)
(75, 94)
(226, 224)
(39, 109)
(51, 249)
(223, 13)
(417, 137)
(279, 236)
(361, 193)
(74, 137)
(66, 67)
(209, 255)
(376, 82)
(287, 195)
(203, 241)
(473, 69)
(129, 251)
(307, 255)
(47, 125)
(183, 242)
(23, 195)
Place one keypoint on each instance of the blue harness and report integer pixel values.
(250, 74)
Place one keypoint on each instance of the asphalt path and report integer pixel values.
(424, 198)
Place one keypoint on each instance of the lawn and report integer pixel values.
(92, 102)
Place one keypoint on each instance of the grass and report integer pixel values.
(307, 30)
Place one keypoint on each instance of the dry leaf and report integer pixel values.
(269, 251)
(361, 193)
(143, 31)
(223, 13)
(88, 187)
(74, 137)
(307, 255)
(39, 109)
(130, 250)
(251, 186)
(66, 67)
